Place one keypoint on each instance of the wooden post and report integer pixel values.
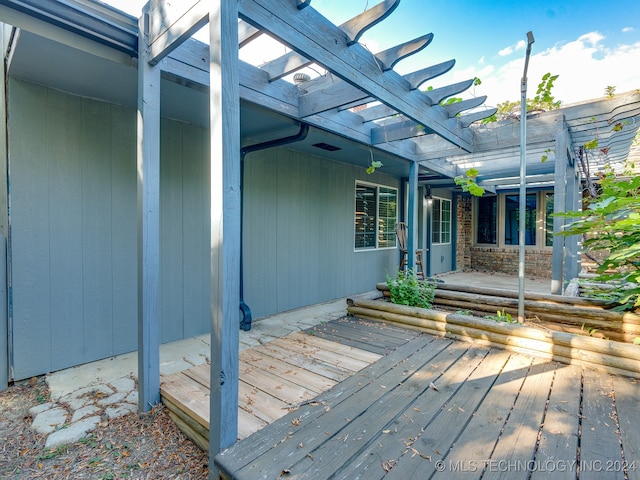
(559, 196)
(225, 226)
(572, 257)
(412, 215)
(148, 153)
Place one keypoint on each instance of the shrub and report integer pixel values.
(611, 223)
(406, 289)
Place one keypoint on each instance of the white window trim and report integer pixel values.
(378, 187)
(440, 221)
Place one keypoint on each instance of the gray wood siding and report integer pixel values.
(74, 229)
(299, 232)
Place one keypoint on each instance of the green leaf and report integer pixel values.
(472, 173)
(591, 144)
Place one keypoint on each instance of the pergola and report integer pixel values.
(427, 143)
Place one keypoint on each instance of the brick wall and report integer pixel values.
(463, 216)
(537, 263)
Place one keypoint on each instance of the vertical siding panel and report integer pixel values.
(205, 145)
(66, 229)
(195, 234)
(124, 234)
(96, 224)
(286, 229)
(29, 191)
(171, 226)
(259, 233)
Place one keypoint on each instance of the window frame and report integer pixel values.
(440, 230)
(540, 222)
(390, 232)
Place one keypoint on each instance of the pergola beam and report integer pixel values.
(171, 23)
(246, 33)
(293, 61)
(442, 167)
(328, 92)
(308, 33)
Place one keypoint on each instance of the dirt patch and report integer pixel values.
(135, 446)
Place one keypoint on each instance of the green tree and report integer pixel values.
(611, 223)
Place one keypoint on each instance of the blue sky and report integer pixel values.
(589, 44)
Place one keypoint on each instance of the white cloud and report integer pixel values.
(512, 48)
(506, 51)
(585, 68)
(628, 29)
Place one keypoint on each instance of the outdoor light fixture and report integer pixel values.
(428, 194)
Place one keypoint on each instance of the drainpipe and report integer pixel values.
(245, 322)
(523, 179)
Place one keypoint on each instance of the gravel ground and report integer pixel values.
(136, 447)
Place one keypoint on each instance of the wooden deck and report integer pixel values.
(279, 376)
(435, 407)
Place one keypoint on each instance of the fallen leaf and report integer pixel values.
(432, 385)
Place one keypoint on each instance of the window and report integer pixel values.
(487, 216)
(548, 227)
(496, 219)
(512, 219)
(376, 216)
(441, 221)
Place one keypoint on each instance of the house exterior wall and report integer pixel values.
(299, 232)
(73, 238)
(492, 259)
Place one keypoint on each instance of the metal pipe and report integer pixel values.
(523, 180)
(245, 322)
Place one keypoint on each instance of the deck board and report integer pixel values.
(375, 337)
(425, 407)
(599, 439)
(274, 379)
(559, 436)
(366, 382)
(627, 396)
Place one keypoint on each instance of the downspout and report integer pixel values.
(245, 322)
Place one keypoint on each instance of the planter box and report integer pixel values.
(616, 357)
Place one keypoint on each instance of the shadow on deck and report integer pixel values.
(419, 406)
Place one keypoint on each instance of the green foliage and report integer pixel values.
(468, 182)
(406, 289)
(500, 316)
(609, 91)
(544, 100)
(611, 223)
(545, 156)
(591, 144)
(372, 168)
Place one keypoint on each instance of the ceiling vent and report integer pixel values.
(326, 146)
